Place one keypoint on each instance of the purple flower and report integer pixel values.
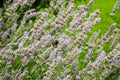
(21, 1)
(77, 77)
(59, 58)
(32, 57)
(45, 24)
(61, 1)
(20, 44)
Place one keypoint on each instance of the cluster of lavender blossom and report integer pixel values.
(50, 47)
(116, 7)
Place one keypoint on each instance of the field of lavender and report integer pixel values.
(60, 40)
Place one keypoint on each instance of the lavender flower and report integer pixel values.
(21, 1)
(77, 77)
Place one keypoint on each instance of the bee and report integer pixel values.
(55, 43)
